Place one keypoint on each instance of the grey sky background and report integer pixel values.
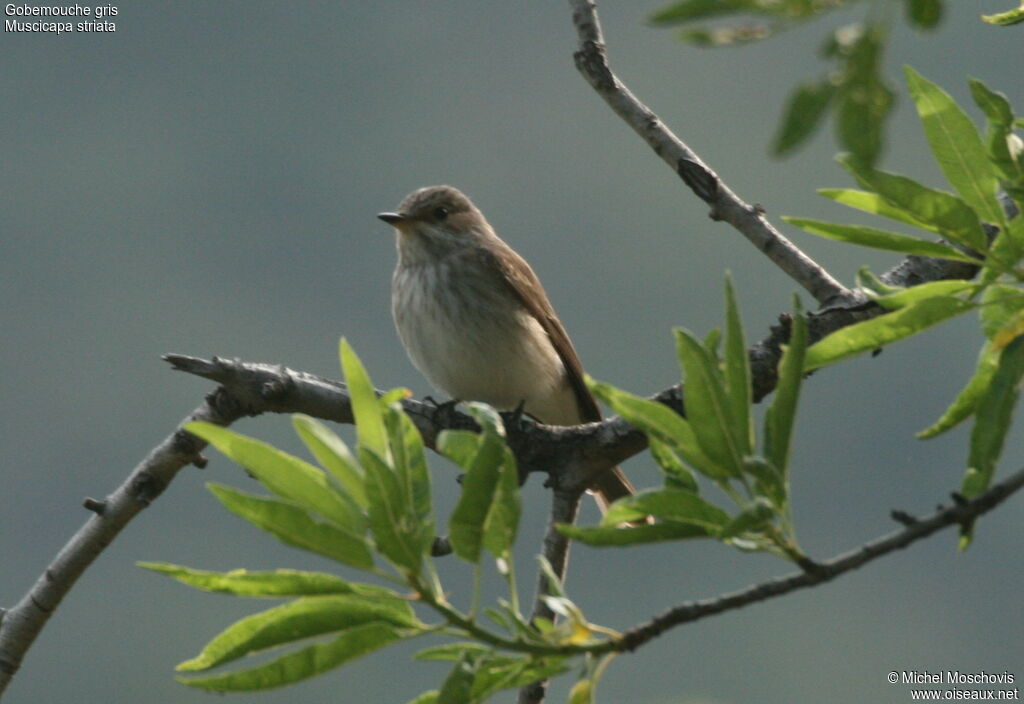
(205, 179)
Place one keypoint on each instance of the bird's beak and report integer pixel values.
(394, 219)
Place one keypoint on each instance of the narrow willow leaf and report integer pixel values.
(296, 620)
(863, 99)
(365, 408)
(874, 204)
(304, 663)
(661, 422)
(459, 682)
(689, 10)
(966, 401)
(294, 526)
(332, 452)
(466, 525)
(582, 692)
(992, 419)
(879, 239)
(925, 14)
(277, 583)
(670, 504)
(460, 446)
(607, 536)
(1005, 19)
(1000, 303)
(672, 464)
(957, 147)
(752, 519)
(781, 413)
(883, 330)
(872, 284)
(428, 697)
(804, 111)
(991, 424)
(930, 289)
(451, 651)
(285, 475)
(391, 520)
(737, 372)
(942, 211)
(994, 104)
(502, 520)
(769, 482)
(411, 472)
(499, 673)
(707, 407)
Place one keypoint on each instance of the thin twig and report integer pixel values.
(957, 514)
(592, 62)
(564, 508)
(23, 622)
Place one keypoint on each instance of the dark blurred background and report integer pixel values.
(205, 179)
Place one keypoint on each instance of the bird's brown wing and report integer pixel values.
(526, 286)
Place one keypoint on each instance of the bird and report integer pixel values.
(476, 322)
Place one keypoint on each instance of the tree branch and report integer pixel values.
(564, 508)
(592, 61)
(961, 512)
(22, 623)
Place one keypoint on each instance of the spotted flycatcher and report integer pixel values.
(476, 321)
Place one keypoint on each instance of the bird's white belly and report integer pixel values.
(473, 353)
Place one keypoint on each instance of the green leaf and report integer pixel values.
(707, 407)
(942, 211)
(752, 519)
(658, 421)
(428, 697)
(502, 520)
(874, 204)
(411, 472)
(671, 464)
(1005, 19)
(879, 239)
(994, 104)
(864, 100)
(999, 304)
(294, 526)
(925, 14)
(392, 522)
(930, 289)
(992, 419)
(606, 536)
(296, 620)
(966, 401)
(957, 147)
(451, 651)
(367, 411)
(872, 284)
(769, 482)
(266, 584)
(689, 10)
(670, 504)
(466, 526)
(582, 692)
(304, 663)
(333, 454)
(883, 330)
(805, 109)
(991, 423)
(460, 446)
(781, 413)
(285, 475)
(737, 372)
(459, 683)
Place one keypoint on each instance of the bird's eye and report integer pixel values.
(441, 213)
